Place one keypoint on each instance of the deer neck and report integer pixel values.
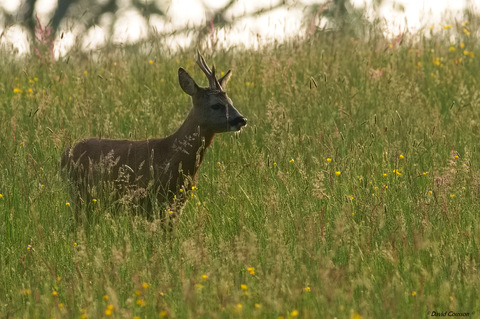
(190, 142)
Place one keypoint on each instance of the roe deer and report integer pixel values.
(165, 167)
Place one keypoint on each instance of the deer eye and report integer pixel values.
(217, 106)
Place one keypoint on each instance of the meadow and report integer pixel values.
(352, 193)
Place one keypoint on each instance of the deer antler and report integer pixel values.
(212, 80)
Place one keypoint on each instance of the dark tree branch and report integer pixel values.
(60, 13)
(147, 9)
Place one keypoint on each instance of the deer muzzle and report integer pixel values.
(237, 123)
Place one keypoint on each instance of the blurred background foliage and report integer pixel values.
(83, 15)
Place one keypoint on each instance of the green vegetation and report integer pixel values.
(353, 192)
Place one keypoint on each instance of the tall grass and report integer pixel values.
(353, 192)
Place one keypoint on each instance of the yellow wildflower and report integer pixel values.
(338, 173)
(141, 302)
(145, 285)
(17, 90)
(294, 313)
(151, 61)
(356, 316)
(447, 26)
(414, 293)
(244, 287)
(329, 159)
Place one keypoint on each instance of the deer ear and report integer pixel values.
(224, 79)
(186, 82)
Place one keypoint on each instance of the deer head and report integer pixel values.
(212, 107)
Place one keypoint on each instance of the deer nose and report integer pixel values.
(238, 121)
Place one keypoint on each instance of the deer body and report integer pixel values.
(162, 166)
